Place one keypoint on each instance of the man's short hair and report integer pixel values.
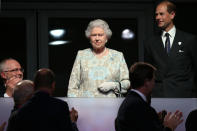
(44, 78)
(2, 63)
(171, 7)
(139, 72)
(22, 91)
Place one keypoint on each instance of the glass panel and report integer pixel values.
(61, 57)
(13, 40)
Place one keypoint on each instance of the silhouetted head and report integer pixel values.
(44, 78)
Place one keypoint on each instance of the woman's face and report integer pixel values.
(98, 38)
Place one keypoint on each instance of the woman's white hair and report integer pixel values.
(98, 23)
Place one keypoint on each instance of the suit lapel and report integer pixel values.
(160, 47)
(175, 43)
(178, 43)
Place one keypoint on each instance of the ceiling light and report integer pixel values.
(59, 42)
(57, 33)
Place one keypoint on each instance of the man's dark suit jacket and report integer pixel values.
(2, 88)
(191, 121)
(137, 115)
(2, 91)
(176, 71)
(42, 113)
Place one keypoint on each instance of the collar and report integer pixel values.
(141, 94)
(171, 32)
(6, 95)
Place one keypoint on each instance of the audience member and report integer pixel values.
(135, 113)
(99, 71)
(191, 121)
(11, 73)
(22, 92)
(43, 112)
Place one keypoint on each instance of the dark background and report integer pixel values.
(25, 25)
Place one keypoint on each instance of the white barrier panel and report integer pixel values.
(98, 114)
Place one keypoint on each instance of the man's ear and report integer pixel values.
(172, 14)
(146, 82)
(53, 86)
(3, 75)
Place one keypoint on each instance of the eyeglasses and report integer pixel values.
(15, 70)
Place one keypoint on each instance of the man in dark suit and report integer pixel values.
(135, 113)
(173, 53)
(43, 112)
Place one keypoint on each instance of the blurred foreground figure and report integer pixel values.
(43, 112)
(135, 113)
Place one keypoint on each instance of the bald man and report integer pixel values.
(11, 72)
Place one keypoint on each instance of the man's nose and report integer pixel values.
(157, 17)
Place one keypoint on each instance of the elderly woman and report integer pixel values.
(100, 71)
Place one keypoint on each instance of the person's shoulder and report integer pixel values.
(193, 113)
(116, 54)
(84, 54)
(59, 101)
(133, 96)
(84, 51)
(22, 111)
(185, 34)
(132, 99)
(112, 51)
(130, 95)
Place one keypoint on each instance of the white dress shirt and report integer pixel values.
(172, 33)
(5, 95)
